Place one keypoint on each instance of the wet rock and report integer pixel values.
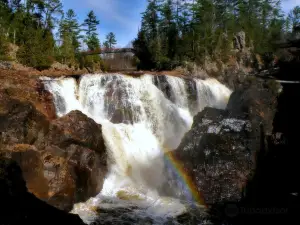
(20, 122)
(216, 154)
(74, 175)
(162, 84)
(74, 160)
(76, 128)
(20, 207)
(118, 102)
(46, 100)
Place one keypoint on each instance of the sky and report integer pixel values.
(123, 17)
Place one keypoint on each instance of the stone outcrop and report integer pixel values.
(219, 150)
(63, 161)
(215, 153)
(18, 206)
(239, 40)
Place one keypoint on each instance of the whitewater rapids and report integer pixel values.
(141, 118)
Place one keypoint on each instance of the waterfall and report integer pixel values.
(141, 119)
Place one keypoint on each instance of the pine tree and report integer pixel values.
(150, 21)
(142, 51)
(37, 50)
(92, 39)
(168, 29)
(73, 27)
(69, 32)
(294, 18)
(110, 40)
(49, 8)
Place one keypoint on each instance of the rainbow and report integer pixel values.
(194, 195)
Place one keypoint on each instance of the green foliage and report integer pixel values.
(3, 47)
(93, 42)
(37, 51)
(92, 39)
(30, 25)
(201, 30)
(110, 40)
(69, 32)
(91, 23)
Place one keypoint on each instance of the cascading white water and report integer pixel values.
(139, 121)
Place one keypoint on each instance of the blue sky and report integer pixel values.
(123, 17)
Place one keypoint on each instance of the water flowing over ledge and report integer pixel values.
(142, 118)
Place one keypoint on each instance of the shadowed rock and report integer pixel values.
(20, 207)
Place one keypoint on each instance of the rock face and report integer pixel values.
(240, 40)
(20, 122)
(215, 153)
(63, 161)
(219, 151)
(18, 206)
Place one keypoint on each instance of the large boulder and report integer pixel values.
(76, 128)
(215, 154)
(63, 160)
(219, 151)
(74, 160)
(20, 207)
(74, 174)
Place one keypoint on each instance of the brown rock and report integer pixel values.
(76, 128)
(64, 162)
(20, 207)
(88, 168)
(20, 122)
(29, 159)
(74, 175)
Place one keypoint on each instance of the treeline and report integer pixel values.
(177, 31)
(30, 25)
